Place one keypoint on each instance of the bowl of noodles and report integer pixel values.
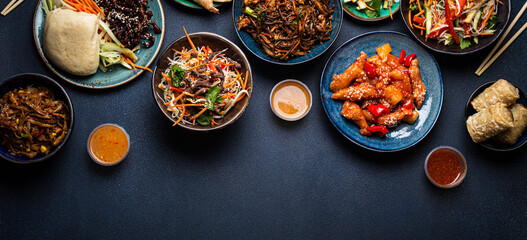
(202, 82)
(36, 118)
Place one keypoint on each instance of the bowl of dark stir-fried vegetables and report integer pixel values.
(202, 82)
(287, 32)
(36, 118)
(461, 27)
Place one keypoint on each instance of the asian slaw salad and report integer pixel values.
(201, 85)
(460, 21)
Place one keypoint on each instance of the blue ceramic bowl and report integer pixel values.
(318, 50)
(117, 74)
(404, 135)
(490, 144)
(24, 80)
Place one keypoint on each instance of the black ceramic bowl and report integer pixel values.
(490, 144)
(484, 41)
(36, 80)
(216, 43)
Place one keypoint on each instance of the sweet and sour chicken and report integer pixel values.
(380, 91)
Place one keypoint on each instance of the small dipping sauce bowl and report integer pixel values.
(108, 144)
(290, 100)
(445, 167)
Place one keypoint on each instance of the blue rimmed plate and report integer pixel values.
(318, 50)
(116, 75)
(351, 9)
(404, 135)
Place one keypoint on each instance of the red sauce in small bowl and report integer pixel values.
(445, 167)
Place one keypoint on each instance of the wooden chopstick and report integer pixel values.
(520, 13)
(8, 6)
(8, 10)
(502, 49)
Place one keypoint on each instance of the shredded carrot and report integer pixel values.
(486, 33)
(370, 8)
(166, 77)
(245, 81)
(190, 41)
(419, 27)
(418, 14)
(188, 105)
(488, 16)
(180, 118)
(241, 97)
(419, 5)
(135, 65)
(410, 18)
(390, 8)
(200, 112)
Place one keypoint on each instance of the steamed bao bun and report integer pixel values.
(71, 41)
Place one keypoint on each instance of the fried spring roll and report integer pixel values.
(510, 136)
(489, 122)
(499, 92)
(343, 80)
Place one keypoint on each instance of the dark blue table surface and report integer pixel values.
(260, 178)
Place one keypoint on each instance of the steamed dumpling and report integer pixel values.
(71, 42)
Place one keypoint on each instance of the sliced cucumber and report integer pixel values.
(428, 20)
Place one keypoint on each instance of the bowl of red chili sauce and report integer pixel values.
(445, 167)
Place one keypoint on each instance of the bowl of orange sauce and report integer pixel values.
(290, 100)
(445, 167)
(108, 144)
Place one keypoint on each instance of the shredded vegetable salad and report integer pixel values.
(460, 21)
(201, 85)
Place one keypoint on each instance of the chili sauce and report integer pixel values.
(445, 167)
(108, 144)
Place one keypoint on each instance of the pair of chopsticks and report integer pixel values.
(486, 63)
(12, 5)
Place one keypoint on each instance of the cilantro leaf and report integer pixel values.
(464, 43)
(212, 97)
(413, 6)
(370, 13)
(493, 22)
(376, 5)
(204, 119)
(176, 74)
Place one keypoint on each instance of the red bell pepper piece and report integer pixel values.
(378, 109)
(370, 70)
(449, 19)
(409, 59)
(408, 104)
(176, 89)
(38, 133)
(418, 19)
(402, 55)
(381, 130)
